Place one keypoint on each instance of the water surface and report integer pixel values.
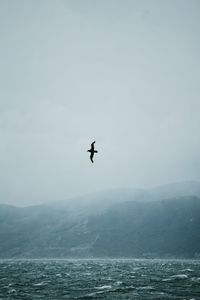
(99, 279)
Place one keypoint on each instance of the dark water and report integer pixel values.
(99, 279)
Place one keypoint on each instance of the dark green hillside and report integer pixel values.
(165, 228)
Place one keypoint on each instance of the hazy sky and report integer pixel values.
(125, 73)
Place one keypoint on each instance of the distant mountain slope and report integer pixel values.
(162, 229)
(178, 189)
(101, 201)
(165, 228)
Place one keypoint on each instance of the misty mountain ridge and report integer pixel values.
(160, 222)
(103, 199)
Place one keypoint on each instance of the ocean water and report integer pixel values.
(99, 279)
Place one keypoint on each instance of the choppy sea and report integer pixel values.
(99, 279)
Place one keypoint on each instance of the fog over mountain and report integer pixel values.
(161, 222)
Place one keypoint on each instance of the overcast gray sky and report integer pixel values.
(123, 73)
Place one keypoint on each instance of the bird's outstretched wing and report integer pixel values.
(92, 145)
(91, 156)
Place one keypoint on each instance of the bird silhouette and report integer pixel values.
(92, 151)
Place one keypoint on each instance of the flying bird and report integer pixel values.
(92, 151)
